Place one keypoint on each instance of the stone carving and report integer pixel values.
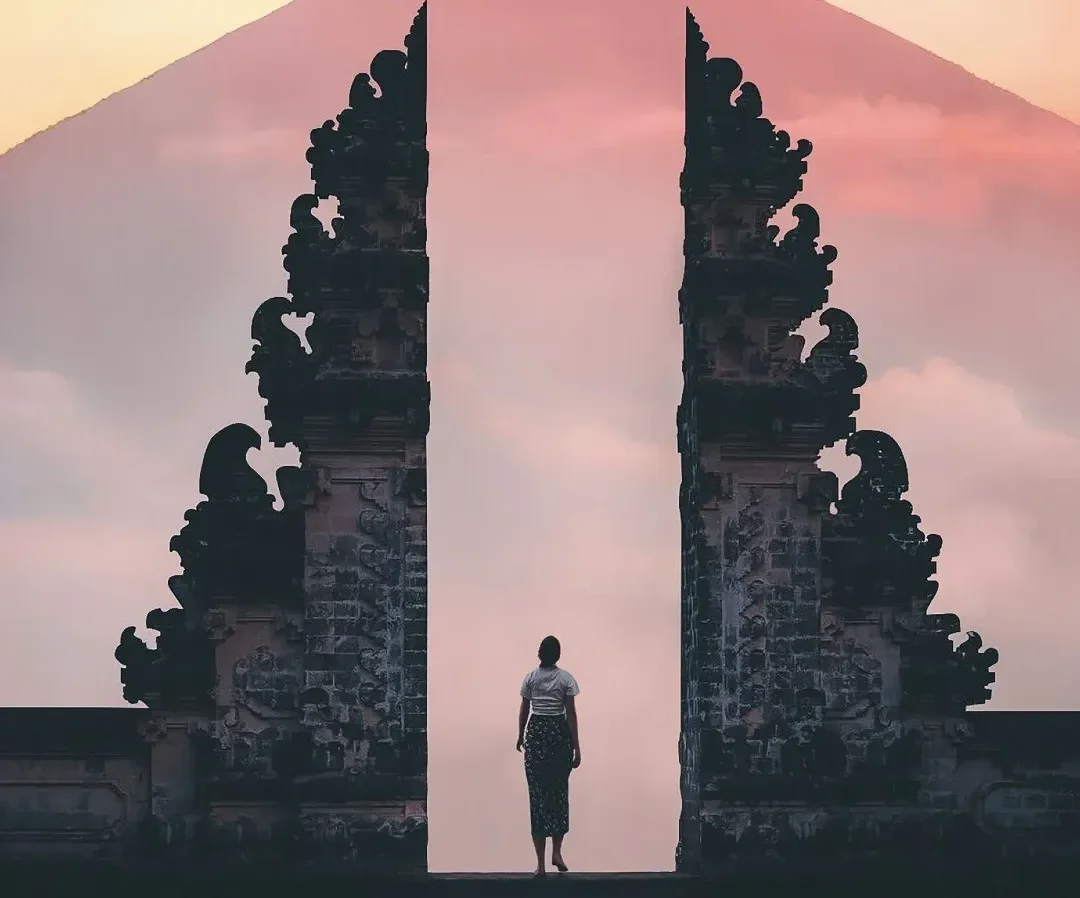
(366, 282)
(745, 289)
(235, 546)
(751, 261)
(810, 663)
(730, 142)
(283, 367)
(363, 700)
(938, 677)
(244, 763)
(414, 485)
(876, 556)
(838, 372)
(817, 490)
(973, 664)
(268, 683)
(874, 552)
(855, 678)
(799, 266)
(379, 137)
(177, 672)
(801, 241)
(832, 360)
(738, 171)
(361, 571)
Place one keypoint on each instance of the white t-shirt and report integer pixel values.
(547, 689)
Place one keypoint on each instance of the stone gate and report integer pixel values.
(824, 708)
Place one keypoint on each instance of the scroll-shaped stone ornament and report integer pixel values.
(236, 547)
(284, 369)
(874, 552)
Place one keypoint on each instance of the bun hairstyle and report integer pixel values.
(549, 651)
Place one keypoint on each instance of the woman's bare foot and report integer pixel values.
(539, 871)
(558, 863)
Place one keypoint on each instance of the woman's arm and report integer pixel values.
(523, 718)
(571, 719)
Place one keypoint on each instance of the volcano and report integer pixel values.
(167, 194)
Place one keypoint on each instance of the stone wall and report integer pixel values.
(74, 782)
(992, 787)
(246, 755)
(365, 660)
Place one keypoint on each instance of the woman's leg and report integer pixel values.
(556, 854)
(560, 799)
(535, 776)
(538, 844)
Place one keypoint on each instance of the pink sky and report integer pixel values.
(65, 55)
(151, 227)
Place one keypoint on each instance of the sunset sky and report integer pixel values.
(65, 55)
(137, 239)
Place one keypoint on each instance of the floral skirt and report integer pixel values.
(548, 760)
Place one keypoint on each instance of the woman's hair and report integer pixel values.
(549, 652)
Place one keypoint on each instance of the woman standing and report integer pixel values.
(551, 749)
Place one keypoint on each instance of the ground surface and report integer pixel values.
(1013, 881)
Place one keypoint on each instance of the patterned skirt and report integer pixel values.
(548, 760)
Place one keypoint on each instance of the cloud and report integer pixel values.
(239, 145)
(70, 587)
(50, 424)
(588, 447)
(914, 160)
(95, 561)
(558, 126)
(89, 512)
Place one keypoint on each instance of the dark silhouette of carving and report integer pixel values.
(730, 142)
(938, 677)
(178, 672)
(874, 552)
(372, 160)
(235, 546)
(283, 367)
(833, 362)
(974, 674)
(875, 555)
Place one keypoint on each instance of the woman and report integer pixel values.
(551, 749)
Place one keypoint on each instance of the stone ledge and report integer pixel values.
(73, 732)
(1017, 880)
